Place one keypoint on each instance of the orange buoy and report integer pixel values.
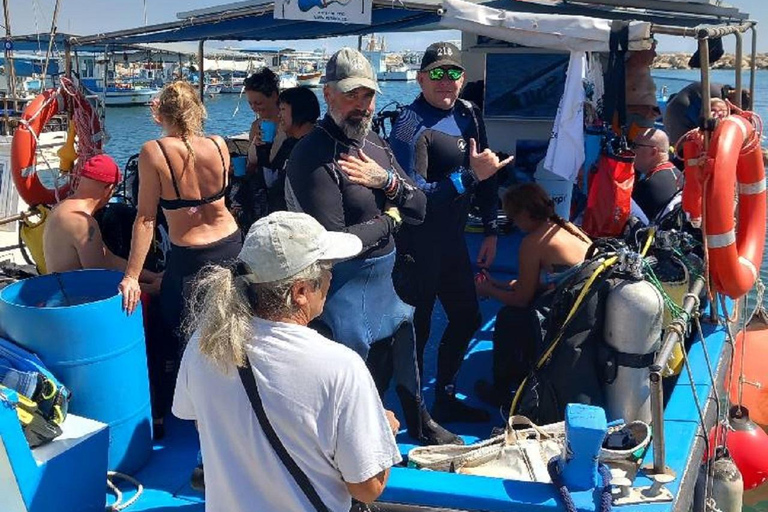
(753, 344)
(735, 258)
(747, 443)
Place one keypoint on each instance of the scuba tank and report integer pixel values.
(632, 334)
(675, 280)
(724, 485)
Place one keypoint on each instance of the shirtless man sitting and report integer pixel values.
(72, 238)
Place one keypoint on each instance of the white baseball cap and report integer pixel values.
(283, 244)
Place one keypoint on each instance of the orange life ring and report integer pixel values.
(24, 147)
(736, 159)
(692, 143)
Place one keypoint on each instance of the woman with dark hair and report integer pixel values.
(299, 110)
(261, 90)
(551, 248)
(249, 198)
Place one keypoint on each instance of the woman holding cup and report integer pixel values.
(249, 202)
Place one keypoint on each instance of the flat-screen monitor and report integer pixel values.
(527, 85)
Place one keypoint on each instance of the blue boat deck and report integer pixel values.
(166, 477)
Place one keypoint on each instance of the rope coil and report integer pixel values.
(118, 505)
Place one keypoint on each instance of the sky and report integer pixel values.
(88, 16)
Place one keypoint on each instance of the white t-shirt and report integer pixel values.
(321, 401)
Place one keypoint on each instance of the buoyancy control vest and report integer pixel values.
(566, 370)
(582, 359)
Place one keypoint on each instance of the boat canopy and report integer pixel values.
(31, 66)
(548, 31)
(38, 43)
(254, 21)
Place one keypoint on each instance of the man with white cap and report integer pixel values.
(345, 176)
(314, 410)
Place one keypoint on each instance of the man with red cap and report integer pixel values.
(72, 238)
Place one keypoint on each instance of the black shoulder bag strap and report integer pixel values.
(249, 382)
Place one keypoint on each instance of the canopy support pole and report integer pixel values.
(739, 61)
(200, 68)
(753, 65)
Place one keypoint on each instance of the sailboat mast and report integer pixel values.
(11, 71)
(51, 38)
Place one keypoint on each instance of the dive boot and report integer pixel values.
(420, 424)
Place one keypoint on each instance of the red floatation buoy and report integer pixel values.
(747, 443)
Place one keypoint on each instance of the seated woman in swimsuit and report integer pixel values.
(185, 173)
(551, 247)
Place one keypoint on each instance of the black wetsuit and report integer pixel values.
(362, 310)
(315, 185)
(656, 189)
(684, 109)
(434, 262)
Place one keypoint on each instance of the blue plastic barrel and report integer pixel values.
(75, 323)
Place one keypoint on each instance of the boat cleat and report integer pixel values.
(655, 493)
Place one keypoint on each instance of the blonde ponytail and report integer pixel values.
(179, 105)
(221, 315)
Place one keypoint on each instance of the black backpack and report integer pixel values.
(567, 369)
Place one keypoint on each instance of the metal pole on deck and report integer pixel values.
(11, 69)
(657, 415)
(753, 66)
(705, 92)
(704, 115)
(106, 74)
(200, 68)
(68, 58)
(671, 338)
(739, 60)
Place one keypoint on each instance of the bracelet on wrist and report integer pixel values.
(390, 180)
(393, 188)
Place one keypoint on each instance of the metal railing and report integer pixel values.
(672, 337)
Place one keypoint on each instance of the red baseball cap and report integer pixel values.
(102, 168)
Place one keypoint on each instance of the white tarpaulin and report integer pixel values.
(232, 65)
(549, 31)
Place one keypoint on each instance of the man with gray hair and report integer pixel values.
(315, 411)
(657, 180)
(346, 176)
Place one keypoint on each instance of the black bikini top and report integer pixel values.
(178, 203)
